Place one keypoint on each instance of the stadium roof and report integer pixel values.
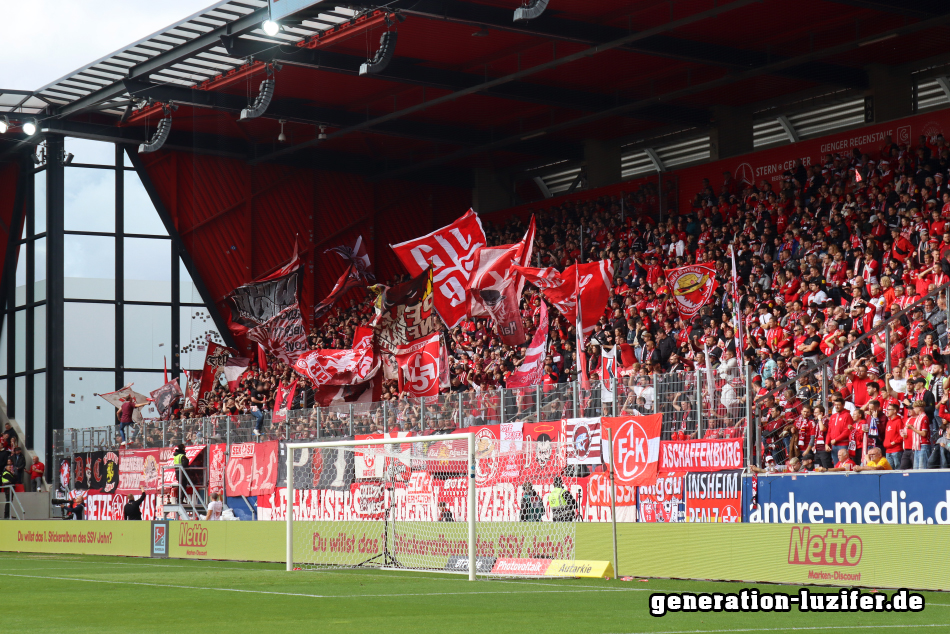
(468, 85)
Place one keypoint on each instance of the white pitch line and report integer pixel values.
(297, 594)
(350, 572)
(798, 629)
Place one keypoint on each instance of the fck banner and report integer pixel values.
(692, 286)
(635, 450)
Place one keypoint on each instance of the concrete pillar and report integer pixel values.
(603, 162)
(893, 92)
(492, 191)
(732, 134)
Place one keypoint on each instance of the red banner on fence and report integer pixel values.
(252, 469)
(701, 455)
(139, 468)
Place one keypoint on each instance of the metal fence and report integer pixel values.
(693, 404)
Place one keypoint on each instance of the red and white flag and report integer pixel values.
(216, 358)
(283, 399)
(583, 440)
(341, 367)
(496, 286)
(531, 370)
(693, 287)
(234, 369)
(419, 363)
(452, 253)
(608, 370)
(594, 279)
(635, 448)
(284, 336)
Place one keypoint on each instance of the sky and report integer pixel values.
(47, 39)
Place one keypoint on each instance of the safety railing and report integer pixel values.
(694, 404)
(12, 502)
(890, 347)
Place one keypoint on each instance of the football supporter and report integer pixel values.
(875, 462)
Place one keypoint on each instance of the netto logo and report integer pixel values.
(190, 534)
(834, 549)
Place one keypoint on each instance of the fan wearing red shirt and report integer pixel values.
(859, 385)
(839, 426)
(893, 439)
(916, 439)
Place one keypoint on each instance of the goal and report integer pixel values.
(465, 503)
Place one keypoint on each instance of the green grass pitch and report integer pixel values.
(101, 595)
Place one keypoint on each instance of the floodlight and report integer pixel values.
(271, 28)
(29, 127)
(4, 124)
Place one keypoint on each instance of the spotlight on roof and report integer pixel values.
(68, 158)
(384, 55)
(29, 127)
(161, 135)
(530, 10)
(272, 28)
(322, 136)
(282, 138)
(4, 124)
(262, 102)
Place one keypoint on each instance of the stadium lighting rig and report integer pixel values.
(530, 10)
(270, 27)
(161, 133)
(4, 124)
(29, 126)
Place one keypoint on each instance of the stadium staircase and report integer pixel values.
(184, 499)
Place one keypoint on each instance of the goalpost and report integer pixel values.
(464, 503)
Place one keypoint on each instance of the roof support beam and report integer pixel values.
(301, 111)
(790, 130)
(551, 26)
(163, 60)
(655, 159)
(487, 85)
(683, 92)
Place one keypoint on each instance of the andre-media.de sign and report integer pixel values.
(910, 497)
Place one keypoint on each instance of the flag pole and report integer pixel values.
(613, 499)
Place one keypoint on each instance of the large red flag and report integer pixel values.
(341, 367)
(531, 370)
(594, 279)
(692, 286)
(496, 286)
(284, 336)
(283, 399)
(451, 252)
(419, 366)
(636, 447)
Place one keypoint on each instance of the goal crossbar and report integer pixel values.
(469, 437)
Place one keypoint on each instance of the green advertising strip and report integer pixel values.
(129, 539)
(876, 556)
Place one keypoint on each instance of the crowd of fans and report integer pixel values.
(824, 253)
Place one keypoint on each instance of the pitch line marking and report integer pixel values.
(797, 629)
(311, 596)
(352, 572)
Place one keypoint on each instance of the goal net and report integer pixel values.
(433, 503)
